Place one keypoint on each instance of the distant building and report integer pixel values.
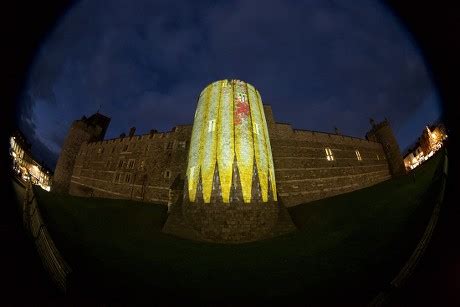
(429, 142)
(432, 138)
(413, 156)
(24, 166)
(308, 165)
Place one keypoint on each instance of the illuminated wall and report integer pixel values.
(230, 129)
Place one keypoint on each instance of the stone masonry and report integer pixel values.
(144, 167)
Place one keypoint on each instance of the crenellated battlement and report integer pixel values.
(308, 164)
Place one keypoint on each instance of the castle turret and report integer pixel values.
(83, 130)
(230, 190)
(383, 134)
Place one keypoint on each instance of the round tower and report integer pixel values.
(230, 188)
(383, 134)
(83, 130)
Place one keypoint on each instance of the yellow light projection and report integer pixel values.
(244, 148)
(225, 140)
(230, 128)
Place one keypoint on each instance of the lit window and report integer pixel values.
(358, 155)
(182, 144)
(329, 155)
(131, 163)
(256, 129)
(100, 150)
(211, 125)
(378, 158)
(241, 97)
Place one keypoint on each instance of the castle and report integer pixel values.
(308, 165)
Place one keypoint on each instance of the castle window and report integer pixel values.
(125, 148)
(378, 157)
(142, 164)
(120, 164)
(117, 177)
(147, 148)
(170, 145)
(100, 150)
(167, 174)
(358, 155)
(329, 155)
(113, 149)
(211, 125)
(131, 163)
(256, 129)
(127, 177)
(107, 164)
(182, 144)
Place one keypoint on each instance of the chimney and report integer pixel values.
(131, 131)
(336, 130)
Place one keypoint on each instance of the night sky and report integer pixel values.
(319, 64)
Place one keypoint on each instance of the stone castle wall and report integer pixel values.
(383, 134)
(303, 172)
(144, 167)
(80, 132)
(140, 167)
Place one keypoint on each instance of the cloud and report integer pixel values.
(319, 64)
(27, 125)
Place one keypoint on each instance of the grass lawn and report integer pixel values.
(347, 249)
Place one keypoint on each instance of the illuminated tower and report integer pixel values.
(230, 188)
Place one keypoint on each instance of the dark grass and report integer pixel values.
(347, 249)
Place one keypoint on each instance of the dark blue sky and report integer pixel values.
(319, 64)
